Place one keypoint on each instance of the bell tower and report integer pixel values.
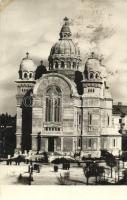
(96, 105)
(25, 84)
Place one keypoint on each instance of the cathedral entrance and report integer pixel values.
(51, 144)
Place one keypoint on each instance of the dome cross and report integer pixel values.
(27, 55)
(92, 54)
(41, 62)
(66, 20)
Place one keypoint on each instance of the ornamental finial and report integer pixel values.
(27, 55)
(66, 20)
(92, 54)
(41, 62)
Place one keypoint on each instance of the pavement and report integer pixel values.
(9, 175)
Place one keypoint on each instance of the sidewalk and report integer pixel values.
(47, 176)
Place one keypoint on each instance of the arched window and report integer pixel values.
(90, 143)
(90, 118)
(56, 65)
(97, 75)
(62, 64)
(91, 75)
(51, 65)
(74, 64)
(108, 120)
(25, 75)
(53, 104)
(79, 119)
(79, 142)
(68, 64)
(30, 75)
(114, 142)
(20, 74)
(77, 65)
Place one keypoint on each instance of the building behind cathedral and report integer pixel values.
(62, 109)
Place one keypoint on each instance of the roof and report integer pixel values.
(70, 83)
(119, 109)
(27, 64)
(65, 47)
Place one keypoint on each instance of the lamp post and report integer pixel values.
(75, 146)
(115, 174)
(81, 122)
(104, 174)
(118, 167)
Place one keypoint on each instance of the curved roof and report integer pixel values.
(65, 28)
(70, 83)
(65, 47)
(27, 65)
(93, 64)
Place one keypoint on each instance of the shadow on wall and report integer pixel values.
(40, 71)
(78, 79)
(7, 134)
(27, 121)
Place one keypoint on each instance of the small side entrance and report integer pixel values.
(51, 144)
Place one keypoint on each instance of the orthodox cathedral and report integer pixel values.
(63, 109)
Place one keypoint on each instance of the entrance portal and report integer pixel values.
(51, 144)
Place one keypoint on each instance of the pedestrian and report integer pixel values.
(38, 169)
(28, 168)
(18, 162)
(31, 162)
(31, 169)
(29, 179)
(27, 161)
(68, 165)
(7, 162)
(10, 161)
(63, 165)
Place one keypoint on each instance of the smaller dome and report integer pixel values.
(93, 64)
(27, 64)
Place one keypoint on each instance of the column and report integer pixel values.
(53, 65)
(34, 143)
(71, 65)
(65, 65)
(19, 128)
(18, 141)
(61, 144)
(46, 144)
(74, 144)
(59, 65)
(42, 147)
(55, 147)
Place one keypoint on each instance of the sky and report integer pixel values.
(34, 26)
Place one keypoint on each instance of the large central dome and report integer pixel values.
(65, 53)
(66, 47)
